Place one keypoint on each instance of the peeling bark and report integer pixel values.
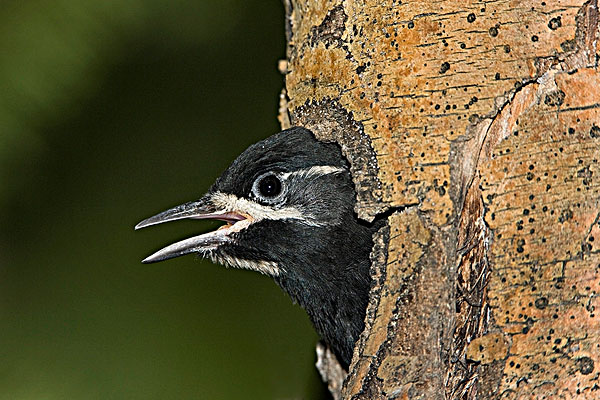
(475, 128)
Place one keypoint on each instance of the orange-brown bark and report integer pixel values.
(474, 128)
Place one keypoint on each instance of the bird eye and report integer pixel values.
(269, 186)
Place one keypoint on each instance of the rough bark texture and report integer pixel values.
(474, 128)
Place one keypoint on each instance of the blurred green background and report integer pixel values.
(111, 111)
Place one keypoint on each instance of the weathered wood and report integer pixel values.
(474, 128)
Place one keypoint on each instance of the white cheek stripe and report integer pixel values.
(231, 203)
(228, 202)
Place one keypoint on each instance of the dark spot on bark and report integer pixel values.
(360, 69)
(586, 365)
(594, 131)
(411, 24)
(541, 303)
(463, 46)
(568, 45)
(535, 38)
(565, 215)
(493, 31)
(445, 67)
(506, 48)
(471, 17)
(497, 76)
(555, 98)
(555, 23)
(331, 29)
(520, 225)
(586, 174)
(559, 285)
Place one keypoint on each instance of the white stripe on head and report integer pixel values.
(231, 203)
(316, 170)
(228, 202)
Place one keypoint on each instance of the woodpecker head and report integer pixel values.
(288, 206)
(289, 179)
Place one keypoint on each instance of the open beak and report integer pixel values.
(201, 209)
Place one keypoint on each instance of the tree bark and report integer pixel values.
(474, 129)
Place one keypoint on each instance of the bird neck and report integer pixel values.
(333, 288)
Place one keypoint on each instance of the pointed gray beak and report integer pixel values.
(201, 209)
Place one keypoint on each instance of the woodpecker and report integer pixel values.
(288, 207)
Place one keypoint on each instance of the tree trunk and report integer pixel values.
(474, 129)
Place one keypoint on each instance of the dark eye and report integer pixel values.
(269, 186)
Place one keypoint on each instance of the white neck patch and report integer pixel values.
(269, 268)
